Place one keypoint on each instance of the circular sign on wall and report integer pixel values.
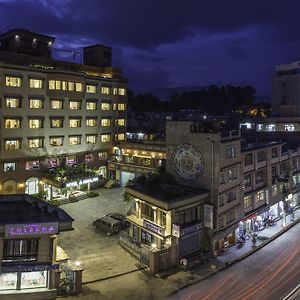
(187, 162)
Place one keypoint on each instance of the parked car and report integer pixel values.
(108, 225)
(121, 218)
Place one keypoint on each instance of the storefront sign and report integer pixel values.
(176, 230)
(190, 229)
(31, 229)
(153, 227)
(83, 181)
(28, 268)
(208, 216)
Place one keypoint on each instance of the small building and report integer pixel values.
(30, 260)
(167, 222)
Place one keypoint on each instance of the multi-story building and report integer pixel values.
(30, 259)
(55, 113)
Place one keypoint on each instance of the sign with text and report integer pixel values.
(208, 216)
(28, 268)
(31, 229)
(176, 230)
(190, 229)
(153, 227)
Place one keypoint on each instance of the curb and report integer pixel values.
(230, 263)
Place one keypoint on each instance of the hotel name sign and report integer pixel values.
(13, 230)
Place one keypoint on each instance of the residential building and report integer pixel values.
(55, 113)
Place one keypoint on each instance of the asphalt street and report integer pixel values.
(268, 274)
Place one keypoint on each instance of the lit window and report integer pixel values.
(74, 123)
(12, 144)
(105, 90)
(64, 85)
(120, 122)
(102, 155)
(56, 141)
(122, 92)
(75, 105)
(91, 122)
(105, 137)
(115, 91)
(115, 106)
(35, 143)
(56, 104)
(35, 83)
(247, 201)
(56, 123)
(36, 103)
(12, 102)
(230, 152)
(32, 165)
(91, 139)
(13, 81)
(271, 127)
(260, 196)
(52, 162)
(71, 86)
(121, 106)
(260, 127)
(78, 87)
(9, 167)
(289, 127)
(91, 105)
(88, 157)
(71, 160)
(54, 84)
(12, 123)
(35, 123)
(120, 137)
(105, 106)
(105, 122)
(74, 140)
(248, 180)
(91, 89)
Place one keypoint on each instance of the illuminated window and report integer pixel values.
(54, 84)
(32, 165)
(35, 142)
(75, 105)
(260, 196)
(115, 106)
(88, 157)
(115, 91)
(270, 127)
(122, 91)
(12, 123)
(105, 106)
(91, 122)
(9, 167)
(105, 137)
(74, 140)
(120, 137)
(260, 127)
(35, 123)
(289, 127)
(56, 123)
(105, 90)
(56, 141)
(12, 144)
(247, 201)
(56, 104)
(71, 86)
(91, 105)
(91, 89)
(36, 83)
(102, 155)
(73, 123)
(12, 102)
(64, 85)
(36, 103)
(78, 87)
(13, 81)
(105, 122)
(91, 139)
(120, 122)
(71, 160)
(121, 106)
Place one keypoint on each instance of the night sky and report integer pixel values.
(171, 43)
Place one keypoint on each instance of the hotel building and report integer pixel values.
(55, 113)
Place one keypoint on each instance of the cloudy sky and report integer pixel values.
(170, 43)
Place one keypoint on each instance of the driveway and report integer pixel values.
(100, 256)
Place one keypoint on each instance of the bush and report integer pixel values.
(83, 187)
(92, 194)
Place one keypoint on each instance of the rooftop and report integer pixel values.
(254, 146)
(24, 209)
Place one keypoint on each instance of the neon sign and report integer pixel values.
(31, 229)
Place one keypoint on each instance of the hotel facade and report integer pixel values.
(55, 113)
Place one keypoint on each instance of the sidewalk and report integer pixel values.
(183, 279)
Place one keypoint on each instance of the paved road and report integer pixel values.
(268, 274)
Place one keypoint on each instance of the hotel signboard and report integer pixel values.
(28, 268)
(14, 230)
(153, 227)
